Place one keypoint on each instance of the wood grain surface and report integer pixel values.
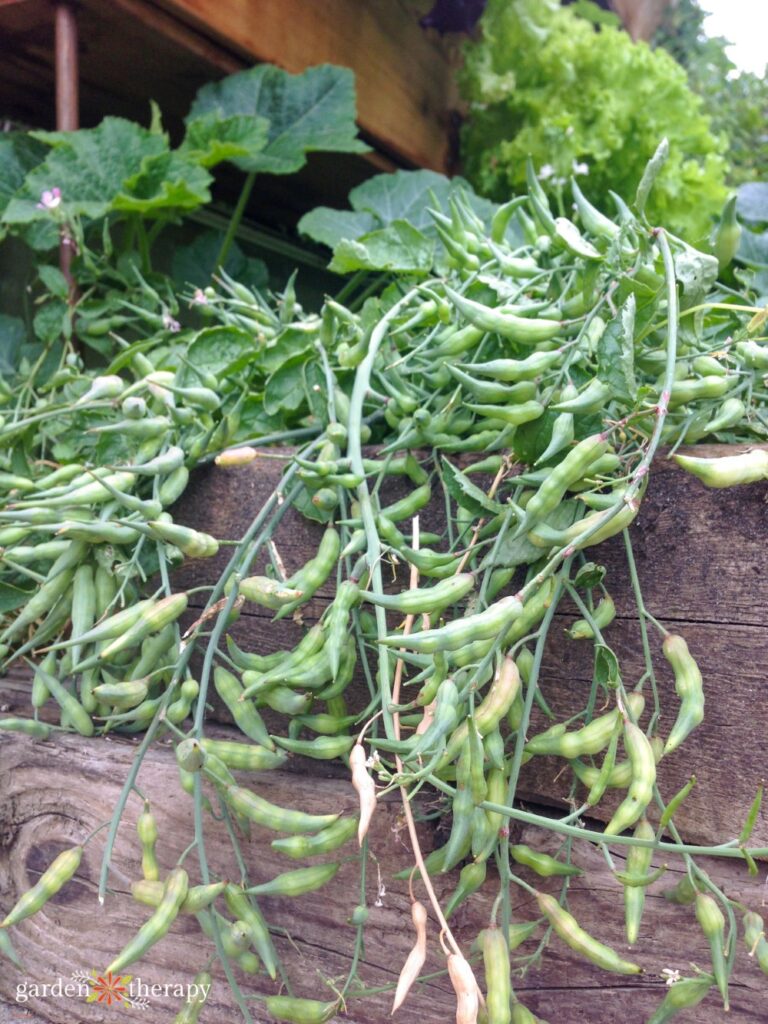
(700, 555)
(54, 793)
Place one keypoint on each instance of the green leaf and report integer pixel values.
(89, 166)
(284, 391)
(13, 334)
(291, 341)
(215, 349)
(166, 182)
(752, 202)
(49, 321)
(385, 198)
(330, 227)
(697, 272)
(520, 551)
(466, 494)
(12, 597)
(589, 10)
(194, 264)
(399, 247)
(53, 280)
(607, 672)
(616, 353)
(210, 139)
(313, 111)
(530, 440)
(19, 153)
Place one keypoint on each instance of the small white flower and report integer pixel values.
(50, 199)
(580, 168)
(671, 976)
(170, 324)
(546, 171)
(569, 131)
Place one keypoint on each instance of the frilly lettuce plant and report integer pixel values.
(545, 82)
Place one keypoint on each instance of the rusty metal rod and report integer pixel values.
(67, 105)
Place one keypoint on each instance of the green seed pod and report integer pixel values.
(296, 883)
(146, 826)
(754, 939)
(542, 863)
(279, 819)
(190, 755)
(55, 876)
(712, 923)
(497, 975)
(246, 909)
(683, 893)
(299, 1011)
(682, 995)
(603, 616)
(325, 841)
(471, 877)
(689, 688)
(638, 863)
(566, 926)
(196, 999)
(174, 894)
(244, 756)
(729, 470)
(26, 726)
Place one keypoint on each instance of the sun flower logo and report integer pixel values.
(109, 988)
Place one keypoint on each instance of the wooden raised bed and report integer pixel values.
(701, 560)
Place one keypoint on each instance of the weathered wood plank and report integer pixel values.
(54, 793)
(405, 83)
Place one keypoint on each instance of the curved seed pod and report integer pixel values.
(245, 756)
(603, 616)
(542, 863)
(640, 792)
(689, 688)
(299, 1011)
(465, 987)
(712, 922)
(150, 893)
(52, 879)
(682, 995)
(638, 863)
(296, 883)
(482, 626)
(279, 819)
(415, 959)
(683, 893)
(174, 894)
(590, 739)
(365, 788)
(26, 726)
(471, 877)
(7, 950)
(245, 909)
(325, 841)
(728, 471)
(497, 975)
(196, 998)
(754, 938)
(566, 926)
(146, 826)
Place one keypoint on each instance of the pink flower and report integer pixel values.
(170, 324)
(50, 199)
(199, 298)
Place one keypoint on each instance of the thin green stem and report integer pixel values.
(234, 221)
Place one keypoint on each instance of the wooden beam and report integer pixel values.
(405, 83)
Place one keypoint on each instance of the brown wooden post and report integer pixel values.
(67, 101)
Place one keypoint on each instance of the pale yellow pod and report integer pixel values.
(415, 959)
(366, 790)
